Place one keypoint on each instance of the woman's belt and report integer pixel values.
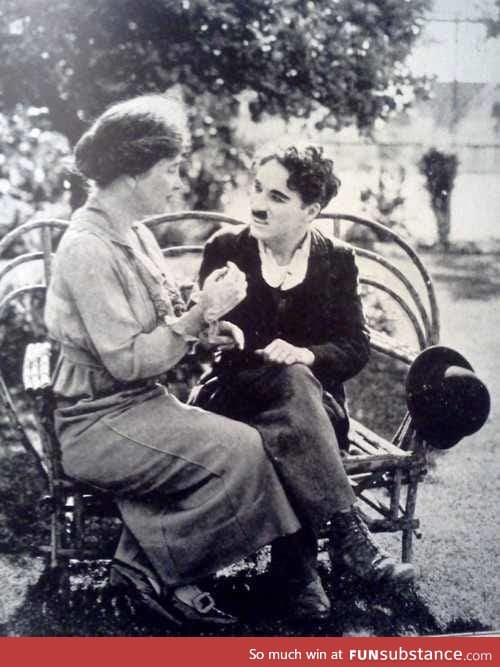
(115, 388)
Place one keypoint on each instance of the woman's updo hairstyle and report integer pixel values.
(130, 137)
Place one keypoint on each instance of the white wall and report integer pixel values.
(475, 207)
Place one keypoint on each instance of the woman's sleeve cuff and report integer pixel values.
(179, 328)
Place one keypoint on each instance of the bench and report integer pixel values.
(385, 473)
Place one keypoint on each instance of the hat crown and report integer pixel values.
(446, 399)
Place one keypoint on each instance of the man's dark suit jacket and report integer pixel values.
(323, 313)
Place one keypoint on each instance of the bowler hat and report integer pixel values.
(445, 398)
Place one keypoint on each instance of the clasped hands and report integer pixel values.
(223, 290)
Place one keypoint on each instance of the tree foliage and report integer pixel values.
(32, 172)
(293, 56)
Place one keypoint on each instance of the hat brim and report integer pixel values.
(440, 440)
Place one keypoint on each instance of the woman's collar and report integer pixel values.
(101, 221)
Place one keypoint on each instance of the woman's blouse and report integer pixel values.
(101, 311)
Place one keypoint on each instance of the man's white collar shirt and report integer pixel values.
(287, 276)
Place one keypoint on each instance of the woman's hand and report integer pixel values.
(281, 352)
(222, 336)
(223, 290)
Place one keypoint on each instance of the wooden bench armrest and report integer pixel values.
(392, 347)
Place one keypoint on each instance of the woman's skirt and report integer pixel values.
(196, 490)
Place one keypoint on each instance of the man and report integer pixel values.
(304, 335)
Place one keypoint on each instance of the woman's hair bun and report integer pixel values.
(130, 137)
(85, 153)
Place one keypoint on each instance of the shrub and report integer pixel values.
(32, 170)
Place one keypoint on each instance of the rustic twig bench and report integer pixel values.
(373, 462)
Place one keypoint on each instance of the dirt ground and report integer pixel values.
(457, 557)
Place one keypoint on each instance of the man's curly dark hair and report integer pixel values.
(311, 174)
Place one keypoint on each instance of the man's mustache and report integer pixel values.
(260, 215)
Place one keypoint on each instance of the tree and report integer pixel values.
(345, 57)
(440, 170)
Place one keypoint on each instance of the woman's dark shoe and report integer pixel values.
(308, 602)
(195, 608)
(190, 604)
(353, 546)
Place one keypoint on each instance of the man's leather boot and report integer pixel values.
(352, 546)
(308, 602)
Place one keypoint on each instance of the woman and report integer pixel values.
(196, 491)
(305, 334)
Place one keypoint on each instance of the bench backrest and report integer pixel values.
(398, 275)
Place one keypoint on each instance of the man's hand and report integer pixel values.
(222, 336)
(281, 352)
